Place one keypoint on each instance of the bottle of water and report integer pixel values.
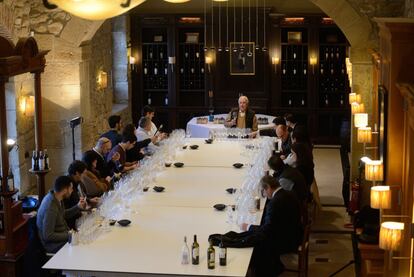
(185, 253)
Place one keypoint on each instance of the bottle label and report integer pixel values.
(196, 252)
(222, 253)
(212, 258)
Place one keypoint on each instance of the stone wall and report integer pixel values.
(409, 8)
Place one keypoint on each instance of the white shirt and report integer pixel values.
(153, 129)
(143, 134)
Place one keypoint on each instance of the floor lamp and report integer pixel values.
(73, 123)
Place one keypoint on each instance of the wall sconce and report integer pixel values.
(27, 105)
(357, 108)
(353, 97)
(380, 197)
(313, 61)
(102, 80)
(132, 62)
(364, 135)
(209, 61)
(11, 143)
(171, 61)
(374, 170)
(360, 120)
(391, 233)
(275, 62)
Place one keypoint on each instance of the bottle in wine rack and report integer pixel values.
(10, 180)
(1, 223)
(326, 100)
(166, 100)
(302, 102)
(332, 53)
(145, 68)
(149, 101)
(326, 54)
(341, 101)
(342, 69)
(337, 53)
(290, 102)
(294, 70)
(41, 161)
(284, 69)
(332, 69)
(304, 69)
(161, 55)
(47, 165)
(156, 69)
(322, 68)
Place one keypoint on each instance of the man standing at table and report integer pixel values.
(279, 232)
(242, 117)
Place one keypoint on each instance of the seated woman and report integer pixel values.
(91, 180)
(144, 133)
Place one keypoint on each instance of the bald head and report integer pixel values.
(282, 132)
(243, 103)
(104, 145)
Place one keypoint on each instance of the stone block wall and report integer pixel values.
(409, 8)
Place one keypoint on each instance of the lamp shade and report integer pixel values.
(353, 97)
(176, 1)
(380, 197)
(391, 235)
(374, 170)
(364, 135)
(275, 60)
(208, 60)
(95, 9)
(360, 120)
(357, 108)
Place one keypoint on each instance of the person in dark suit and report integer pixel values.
(279, 232)
(242, 117)
(289, 178)
(115, 123)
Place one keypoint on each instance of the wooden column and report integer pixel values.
(39, 131)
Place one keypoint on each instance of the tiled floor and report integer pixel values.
(330, 245)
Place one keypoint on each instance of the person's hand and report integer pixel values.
(164, 135)
(115, 157)
(154, 139)
(244, 226)
(108, 179)
(82, 203)
(253, 134)
(282, 157)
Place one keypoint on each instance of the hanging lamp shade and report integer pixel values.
(360, 120)
(94, 9)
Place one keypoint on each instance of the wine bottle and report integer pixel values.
(326, 54)
(222, 253)
(1, 224)
(321, 68)
(10, 180)
(211, 256)
(185, 253)
(34, 161)
(149, 99)
(294, 70)
(284, 69)
(290, 102)
(304, 69)
(326, 100)
(41, 161)
(145, 69)
(337, 53)
(156, 69)
(166, 100)
(341, 102)
(46, 158)
(303, 102)
(195, 251)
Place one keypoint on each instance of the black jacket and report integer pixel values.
(249, 116)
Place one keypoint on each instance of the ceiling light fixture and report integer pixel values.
(227, 27)
(264, 49)
(234, 26)
(93, 9)
(176, 1)
(212, 47)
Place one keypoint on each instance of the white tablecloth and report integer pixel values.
(203, 130)
(151, 245)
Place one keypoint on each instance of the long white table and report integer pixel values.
(203, 130)
(151, 245)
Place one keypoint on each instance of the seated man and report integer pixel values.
(127, 143)
(51, 223)
(270, 132)
(149, 112)
(115, 123)
(289, 178)
(144, 133)
(283, 133)
(242, 117)
(279, 232)
(101, 149)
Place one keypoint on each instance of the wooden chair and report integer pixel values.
(300, 257)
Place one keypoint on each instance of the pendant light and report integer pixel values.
(264, 49)
(227, 49)
(257, 25)
(249, 53)
(242, 23)
(93, 9)
(219, 26)
(205, 26)
(234, 26)
(212, 47)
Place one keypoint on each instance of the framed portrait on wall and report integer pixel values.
(242, 61)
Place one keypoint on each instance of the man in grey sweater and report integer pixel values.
(51, 216)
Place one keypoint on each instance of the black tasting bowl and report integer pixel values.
(185, 147)
(178, 164)
(219, 207)
(158, 189)
(168, 164)
(209, 141)
(238, 165)
(194, 147)
(231, 190)
(124, 222)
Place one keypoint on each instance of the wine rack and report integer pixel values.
(155, 66)
(191, 67)
(333, 78)
(294, 68)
